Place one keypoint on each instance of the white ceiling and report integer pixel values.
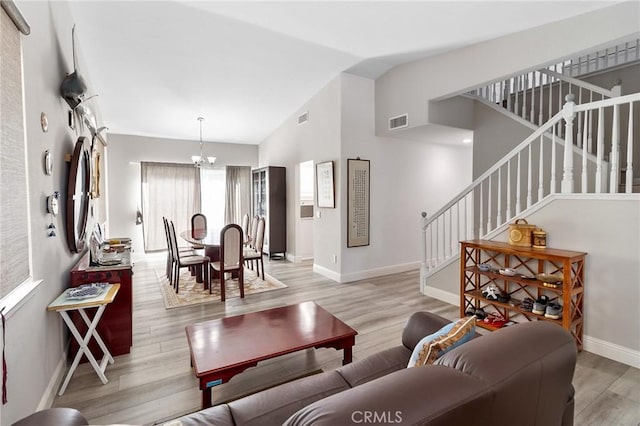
(247, 66)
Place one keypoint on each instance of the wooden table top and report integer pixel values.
(63, 303)
(225, 343)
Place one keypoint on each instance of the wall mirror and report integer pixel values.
(78, 187)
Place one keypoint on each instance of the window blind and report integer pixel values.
(14, 237)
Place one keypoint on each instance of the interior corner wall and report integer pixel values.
(494, 136)
(36, 338)
(125, 152)
(407, 177)
(319, 140)
(407, 88)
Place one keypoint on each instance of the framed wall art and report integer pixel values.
(358, 178)
(325, 185)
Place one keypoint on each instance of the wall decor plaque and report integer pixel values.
(325, 184)
(358, 180)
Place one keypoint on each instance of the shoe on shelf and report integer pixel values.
(480, 313)
(553, 311)
(527, 304)
(540, 305)
(492, 292)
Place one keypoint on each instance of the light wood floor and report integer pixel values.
(155, 383)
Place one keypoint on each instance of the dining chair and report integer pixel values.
(255, 253)
(184, 251)
(245, 227)
(198, 226)
(231, 257)
(254, 230)
(180, 261)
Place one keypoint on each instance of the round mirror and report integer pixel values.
(78, 195)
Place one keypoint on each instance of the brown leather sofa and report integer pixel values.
(517, 375)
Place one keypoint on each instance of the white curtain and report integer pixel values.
(171, 191)
(213, 184)
(238, 194)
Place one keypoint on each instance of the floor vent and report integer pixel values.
(303, 118)
(399, 122)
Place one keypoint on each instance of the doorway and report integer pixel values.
(304, 216)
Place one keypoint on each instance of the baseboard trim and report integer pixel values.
(612, 351)
(56, 380)
(445, 296)
(377, 272)
(298, 259)
(332, 275)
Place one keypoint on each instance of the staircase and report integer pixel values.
(583, 143)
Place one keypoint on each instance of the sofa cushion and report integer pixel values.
(273, 406)
(376, 365)
(432, 395)
(220, 415)
(435, 345)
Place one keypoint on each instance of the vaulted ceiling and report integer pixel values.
(247, 66)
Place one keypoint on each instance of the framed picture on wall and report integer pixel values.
(358, 178)
(325, 185)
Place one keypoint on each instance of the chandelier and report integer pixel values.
(201, 160)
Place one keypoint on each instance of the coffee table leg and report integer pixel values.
(347, 355)
(206, 398)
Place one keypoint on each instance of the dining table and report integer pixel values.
(210, 242)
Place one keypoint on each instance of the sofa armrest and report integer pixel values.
(419, 325)
(430, 395)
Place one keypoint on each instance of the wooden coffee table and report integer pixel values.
(222, 348)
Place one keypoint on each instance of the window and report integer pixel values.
(213, 197)
(15, 280)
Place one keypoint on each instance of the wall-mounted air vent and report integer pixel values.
(399, 122)
(303, 118)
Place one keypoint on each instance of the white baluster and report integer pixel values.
(560, 127)
(584, 156)
(509, 82)
(616, 57)
(438, 257)
(568, 115)
(599, 151)
(589, 129)
(626, 52)
(529, 179)
(466, 229)
(614, 159)
(489, 204)
(458, 233)
(579, 135)
(588, 62)
(518, 170)
(517, 91)
(499, 217)
(541, 170)
(629, 169)
(423, 252)
(524, 95)
(481, 230)
(606, 58)
(553, 185)
(532, 116)
(508, 213)
(540, 117)
(450, 248)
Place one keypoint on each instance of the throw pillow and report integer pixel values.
(435, 345)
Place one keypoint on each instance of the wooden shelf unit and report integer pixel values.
(527, 261)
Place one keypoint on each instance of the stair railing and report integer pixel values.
(536, 96)
(620, 54)
(533, 170)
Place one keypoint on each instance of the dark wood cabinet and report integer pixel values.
(116, 325)
(528, 262)
(269, 187)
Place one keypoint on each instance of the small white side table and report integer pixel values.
(62, 305)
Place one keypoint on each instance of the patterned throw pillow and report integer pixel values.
(442, 341)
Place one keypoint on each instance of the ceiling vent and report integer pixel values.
(399, 122)
(303, 118)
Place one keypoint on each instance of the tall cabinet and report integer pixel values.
(270, 201)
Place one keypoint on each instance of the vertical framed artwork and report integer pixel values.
(325, 185)
(358, 178)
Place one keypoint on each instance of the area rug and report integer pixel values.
(193, 293)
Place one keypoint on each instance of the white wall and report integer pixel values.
(317, 140)
(407, 177)
(408, 87)
(35, 338)
(123, 177)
